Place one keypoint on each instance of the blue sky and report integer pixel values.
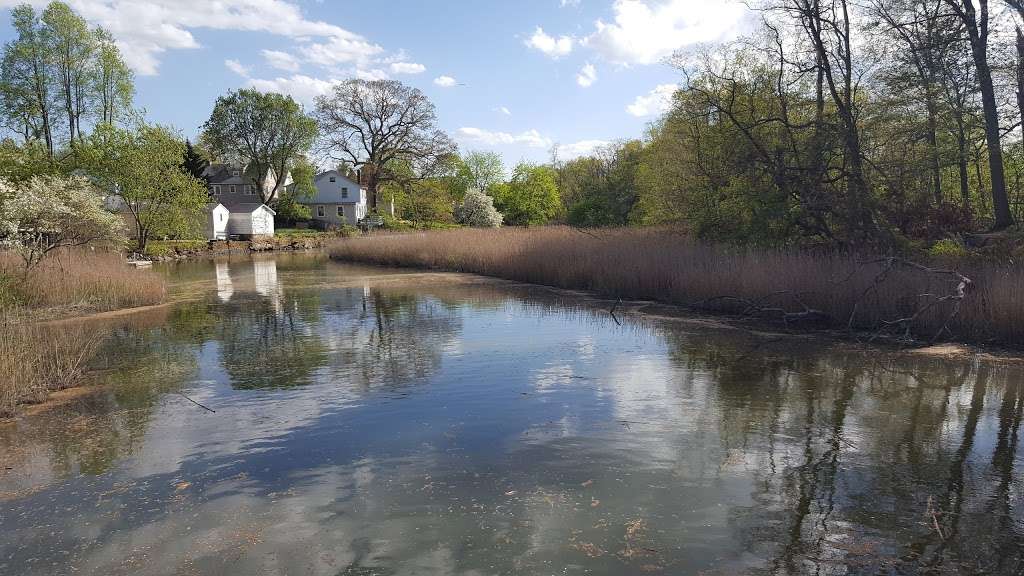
(515, 77)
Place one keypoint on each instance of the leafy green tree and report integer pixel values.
(303, 185)
(113, 82)
(21, 163)
(479, 170)
(268, 132)
(46, 213)
(71, 49)
(141, 171)
(530, 198)
(26, 82)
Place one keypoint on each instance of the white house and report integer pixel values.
(248, 220)
(216, 224)
(338, 200)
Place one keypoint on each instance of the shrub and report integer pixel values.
(477, 210)
(49, 213)
(948, 249)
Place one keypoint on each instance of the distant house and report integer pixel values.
(252, 219)
(217, 218)
(231, 184)
(338, 200)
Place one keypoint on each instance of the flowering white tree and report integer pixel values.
(478, 210)
(49, 212)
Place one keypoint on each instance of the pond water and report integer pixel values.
(365, 421)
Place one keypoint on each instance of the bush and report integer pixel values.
(948, 249)
(477, 210)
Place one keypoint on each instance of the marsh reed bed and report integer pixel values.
(90, 281)
(37, 357)
(831, 290)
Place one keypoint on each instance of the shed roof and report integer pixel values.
(248, 208)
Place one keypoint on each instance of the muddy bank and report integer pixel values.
(233, 247)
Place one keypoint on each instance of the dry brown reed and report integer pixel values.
(81, 279)
(667, 266)
(36, 359)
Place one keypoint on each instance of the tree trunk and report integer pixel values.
(933, 144)
(979, 51)
(962, 160)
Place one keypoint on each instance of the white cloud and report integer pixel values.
(645, 32)
(503, 110)
(573, 3)
(281, 60)
(530, 138)
(407, 68)
(237, 67)
(549, 45)
(145, 29)
(373, 74)
(581, 148)
(303, 88)
(343, 47)
(445, 81)
(587, 75)
(654, 102)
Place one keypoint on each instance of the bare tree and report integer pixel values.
(382, 127)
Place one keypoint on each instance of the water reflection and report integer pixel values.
(376, 422)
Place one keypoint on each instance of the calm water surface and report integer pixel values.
(376, 422)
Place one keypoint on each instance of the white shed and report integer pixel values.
(248, 220)
(217, 216)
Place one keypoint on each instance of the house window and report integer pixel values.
(250, 190)
(333, 179)
(320, 211)
(341, 211)
(232, 188)
(234, 172)
(216, 190)
(344, 192)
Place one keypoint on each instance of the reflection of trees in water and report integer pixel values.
(850, 448)
(394, 337)
(272, 343)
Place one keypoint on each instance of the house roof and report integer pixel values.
(248, 208)
(221, 174)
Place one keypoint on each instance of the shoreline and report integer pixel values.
(642, 309)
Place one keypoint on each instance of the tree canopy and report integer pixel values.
(267, 132)
(383, 128)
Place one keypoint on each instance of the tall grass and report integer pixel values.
(662, 265)
(81, 279)
(36, 359)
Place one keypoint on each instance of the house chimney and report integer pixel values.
(359, 177)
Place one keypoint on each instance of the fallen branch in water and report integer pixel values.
(612, 311)
(197, 403)
(934, 514)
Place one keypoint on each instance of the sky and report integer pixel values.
(516, 77)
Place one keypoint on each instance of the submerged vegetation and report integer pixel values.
(880, 295)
